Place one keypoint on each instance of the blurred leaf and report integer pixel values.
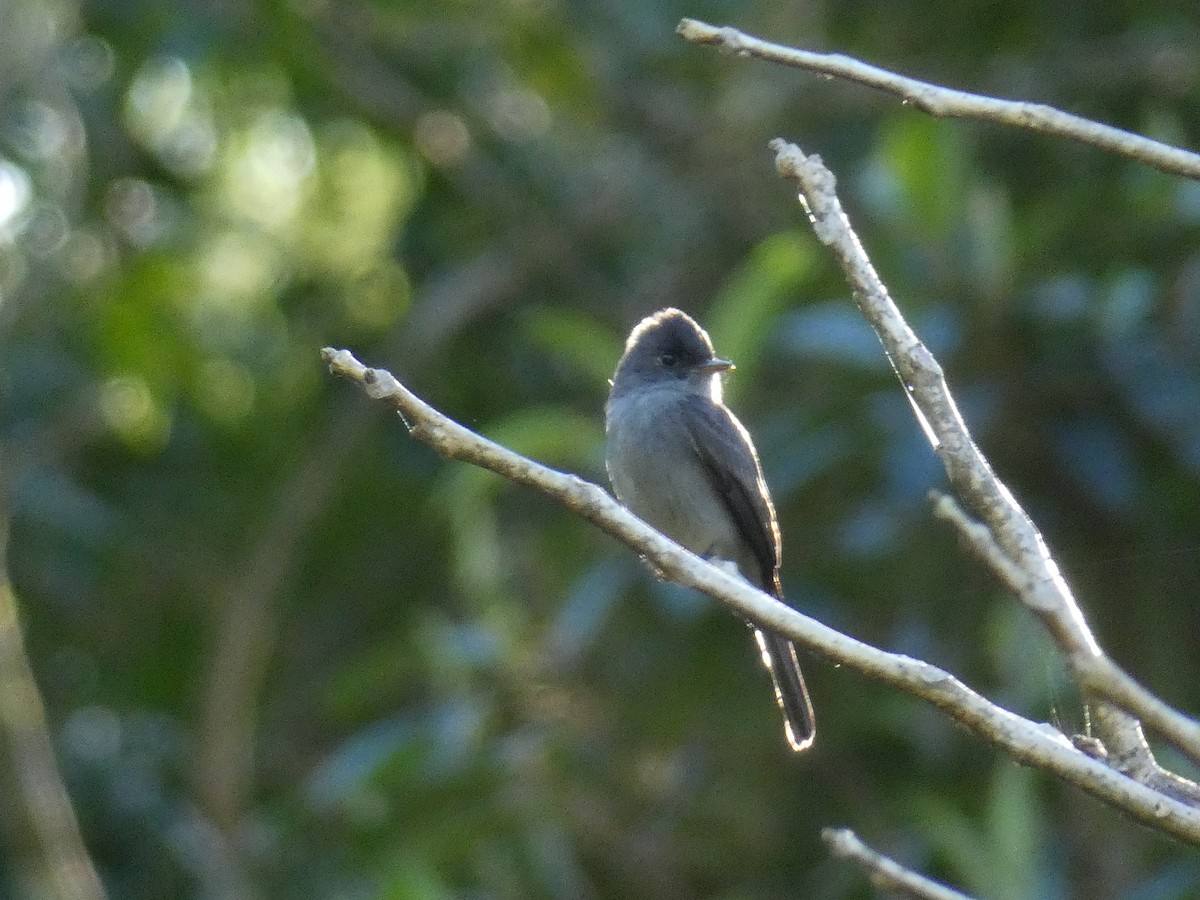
(578, 340)
(413, 878)
(929, 167)
(551, 436)
(833, 331)
(1004, 857)
(742, 316)
(1017, 843)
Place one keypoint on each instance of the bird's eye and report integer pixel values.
(668, 360)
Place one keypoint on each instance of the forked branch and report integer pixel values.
(1027, 742)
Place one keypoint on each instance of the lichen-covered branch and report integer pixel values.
(1025, 741)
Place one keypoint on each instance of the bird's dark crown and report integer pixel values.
(668, 344)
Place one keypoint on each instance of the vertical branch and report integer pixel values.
(1009, 540)
(247, 622)
(51, 855)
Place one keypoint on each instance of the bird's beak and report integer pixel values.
(717, 365)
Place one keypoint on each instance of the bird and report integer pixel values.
(679, 459)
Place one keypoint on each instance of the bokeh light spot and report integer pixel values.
(131, 205)
(225, 391)
(91, 62)
(265, 178)
(442, 137)
(93, 733)
(129, 409)
(15, 193)
(377, 301)
(158, 98)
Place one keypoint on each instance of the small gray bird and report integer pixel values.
(679, 459)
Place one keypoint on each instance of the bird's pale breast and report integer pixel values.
(656, 473)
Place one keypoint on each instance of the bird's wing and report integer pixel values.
(728, 459)
(735, 474)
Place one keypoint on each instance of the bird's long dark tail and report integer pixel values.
(779, 656)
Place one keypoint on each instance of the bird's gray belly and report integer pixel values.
(656, 473)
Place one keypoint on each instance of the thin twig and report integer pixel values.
(886, 874)
(1037, 580)
(945, 102)
(1027, 742)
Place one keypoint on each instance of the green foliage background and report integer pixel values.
(287, 652)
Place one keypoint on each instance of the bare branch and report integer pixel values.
(245, 623)
(1126, 748)
(948, 103)
(1128, 752)
(979, 538)
(1010, 534)
(886, 874)
(50, 858)
(1027, 742)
